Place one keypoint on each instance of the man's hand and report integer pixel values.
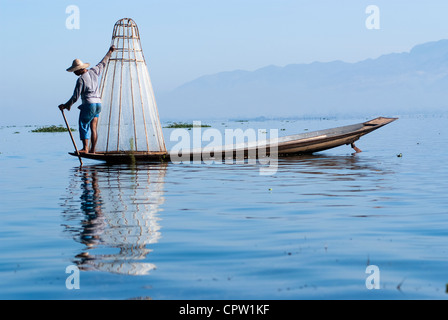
(62, 107)
(112, 48)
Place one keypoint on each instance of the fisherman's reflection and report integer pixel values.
(91, 207)
(119, 207)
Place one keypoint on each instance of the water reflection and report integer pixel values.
(115, 208)
(334, 167)
(113, 211)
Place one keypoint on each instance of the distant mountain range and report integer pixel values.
(415, 81)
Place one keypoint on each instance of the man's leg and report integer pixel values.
(85, 145)
(93, 128)
(86, 116)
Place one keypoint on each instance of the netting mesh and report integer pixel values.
(129, 120)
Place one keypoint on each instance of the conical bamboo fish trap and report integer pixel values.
(129, 120)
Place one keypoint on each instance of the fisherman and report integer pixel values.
(87, 88)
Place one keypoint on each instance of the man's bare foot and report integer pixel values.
(82, 151)
(355, 148)
(92, 151)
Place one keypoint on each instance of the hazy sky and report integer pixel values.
(185, 39)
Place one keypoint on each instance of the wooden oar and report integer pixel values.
(71, 136)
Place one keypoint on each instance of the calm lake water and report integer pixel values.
(223, 231)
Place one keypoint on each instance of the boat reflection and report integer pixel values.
(110, 208)
(336, 167)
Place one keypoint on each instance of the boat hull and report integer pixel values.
(305, 143)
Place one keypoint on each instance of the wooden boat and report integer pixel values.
(304, 143)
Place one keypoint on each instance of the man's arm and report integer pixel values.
(75, 96)
(102, 64)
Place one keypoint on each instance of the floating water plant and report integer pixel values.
(186, 125)
(52, 128)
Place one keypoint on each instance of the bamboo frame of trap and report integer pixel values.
(127, 65)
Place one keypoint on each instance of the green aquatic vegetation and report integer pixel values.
(185, 125)
(52, 128)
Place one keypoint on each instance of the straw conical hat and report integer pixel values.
(78, 65)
